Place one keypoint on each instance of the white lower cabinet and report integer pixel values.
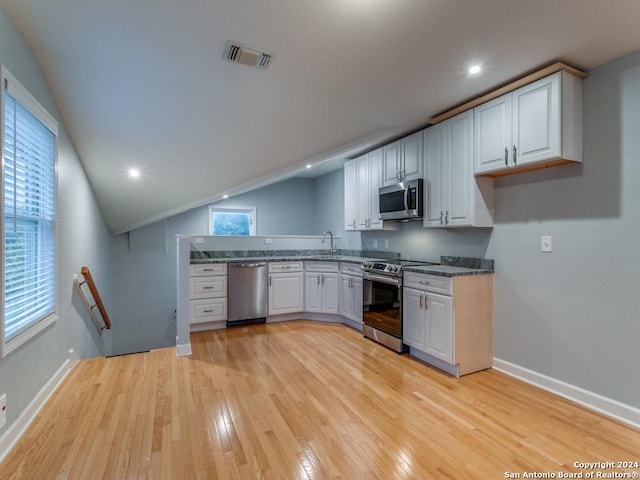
(208, 293)
(428, 324)
(321, 287)
(351, 292)
(449, 320)
(286, 288)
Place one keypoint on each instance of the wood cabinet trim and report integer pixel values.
(510, 87)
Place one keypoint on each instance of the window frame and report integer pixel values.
(233, 209)
(27, 101)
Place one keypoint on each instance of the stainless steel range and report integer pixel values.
(382, 302)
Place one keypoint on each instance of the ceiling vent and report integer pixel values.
(235, 52)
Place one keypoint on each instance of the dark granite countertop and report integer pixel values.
(455, 266)
(448, 267)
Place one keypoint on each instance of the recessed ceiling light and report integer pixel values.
(134, 173)
(474, 69)
(225, 196)
(309, 165)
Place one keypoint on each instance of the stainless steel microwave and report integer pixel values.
(402, 201)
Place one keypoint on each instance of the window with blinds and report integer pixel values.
(29, 215)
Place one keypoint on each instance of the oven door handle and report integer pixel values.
(382, 279)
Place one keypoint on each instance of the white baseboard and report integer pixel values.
(183, 350)
(613, 408)
(20, 425)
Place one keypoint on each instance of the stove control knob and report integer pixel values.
(396, 268)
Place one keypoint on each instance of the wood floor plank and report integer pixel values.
(303, 400)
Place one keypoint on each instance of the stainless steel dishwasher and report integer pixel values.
(247, 293)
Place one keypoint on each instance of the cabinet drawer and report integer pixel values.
(207, 269)
(428, 283)
(208, 310)
(285, 267)
(351, 268)
(314, 266)
(208, 287)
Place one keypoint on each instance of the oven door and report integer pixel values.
(382, 305)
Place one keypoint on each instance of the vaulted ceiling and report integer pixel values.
(142, 84)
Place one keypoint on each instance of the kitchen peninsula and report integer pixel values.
(446, 310)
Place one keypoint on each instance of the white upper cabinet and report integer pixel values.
(350, 194)
(454, 196)
(411, 156)
(534, 126)
(361, 184)
(402, 160)
(390, 163)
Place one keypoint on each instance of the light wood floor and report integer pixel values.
(302, 400)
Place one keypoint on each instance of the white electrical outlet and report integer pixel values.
(268, 241)
(3, 409)
(545, 242)
(198, 240)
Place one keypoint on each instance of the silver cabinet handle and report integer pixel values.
(441, 214)
(515, 155)
(421, 300)
(285, 267)
(506, 157)
(323, 279)
(207, 269)
(207, 311)
(270, 278)
(318, 279)
(424, 282)
(207, 288)
(446, 217)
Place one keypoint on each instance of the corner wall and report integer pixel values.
(82, 239)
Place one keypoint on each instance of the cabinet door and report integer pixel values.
(434, 168)
(356, 292)
(350, 194)
(411, 160)
(375, 168)
(460, 179)
(312, 292)
(285, 293)
(346, 297)
(492, 122)
(390, 163)
(330, 286)
(363, 193)
(439, 324)
(413, 318)
(536, 121)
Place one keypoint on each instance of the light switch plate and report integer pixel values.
(268, 241)
(545, 243)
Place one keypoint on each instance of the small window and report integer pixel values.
(232, 220)
(28, 216)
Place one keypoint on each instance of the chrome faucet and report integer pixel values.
(332, 248)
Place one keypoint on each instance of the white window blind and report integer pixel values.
(29, 208)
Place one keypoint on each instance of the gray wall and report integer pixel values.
(573, 314)
(284, 208)
(145, 259)
(83, 239)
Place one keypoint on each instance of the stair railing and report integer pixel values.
(88, 281)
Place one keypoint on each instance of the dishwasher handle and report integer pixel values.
(248, 265)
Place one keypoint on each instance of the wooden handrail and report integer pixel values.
(96, 296)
